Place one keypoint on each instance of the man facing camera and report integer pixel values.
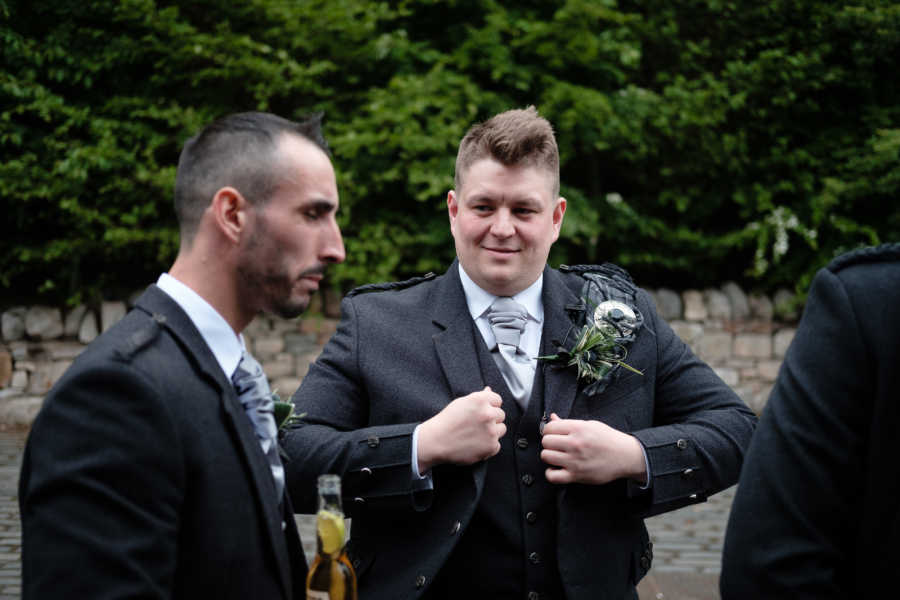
(471, 467)
(152, 470)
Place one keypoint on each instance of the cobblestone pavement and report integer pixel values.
(687, 543)
(11, 444)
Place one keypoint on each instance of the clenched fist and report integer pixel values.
(466, 431)
(590, 452)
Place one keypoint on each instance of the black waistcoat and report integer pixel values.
(508, 550)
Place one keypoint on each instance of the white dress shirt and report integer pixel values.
(226, 345)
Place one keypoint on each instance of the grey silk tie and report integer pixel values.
(253, 391)
(507, 318)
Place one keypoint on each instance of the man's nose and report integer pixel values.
(332, 246)
(502, 225)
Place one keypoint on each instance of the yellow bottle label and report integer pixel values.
(314, 595)
(331, 531)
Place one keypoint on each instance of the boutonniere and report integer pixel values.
(284, 413)
(600, 345)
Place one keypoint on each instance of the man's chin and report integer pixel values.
(292, 309)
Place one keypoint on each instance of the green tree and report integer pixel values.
(700, 141)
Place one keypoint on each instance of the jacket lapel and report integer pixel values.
(166, 311)
(560, 384)
(455, 346)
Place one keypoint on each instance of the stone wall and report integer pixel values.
(743, 337)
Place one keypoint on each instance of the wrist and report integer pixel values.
(426, 455)
(637, 463)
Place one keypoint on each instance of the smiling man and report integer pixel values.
(152, 470)
(470, 467)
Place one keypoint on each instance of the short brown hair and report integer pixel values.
(514, 137)
(238, 150)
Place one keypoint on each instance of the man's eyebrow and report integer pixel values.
(321, 205)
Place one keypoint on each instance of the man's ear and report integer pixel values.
(558, 212)
(452, 204)
(452, 207)
(229, 212)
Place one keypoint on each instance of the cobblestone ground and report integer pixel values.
(11, 444)
(687, 543)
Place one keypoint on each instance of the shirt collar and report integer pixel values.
(480, 300)
(225, 345)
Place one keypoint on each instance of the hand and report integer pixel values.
(466, 431)
(590, 452)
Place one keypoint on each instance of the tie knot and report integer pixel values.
(249, 380)
(507, 318)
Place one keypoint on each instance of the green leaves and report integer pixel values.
(699, 140)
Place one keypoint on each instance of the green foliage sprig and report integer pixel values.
(595, 352)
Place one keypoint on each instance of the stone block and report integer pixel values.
(284, 326)
(322, 328)
(111, 313)
(258, 327)
(267, 347)
(19, 380)
(57, 369)
(784, 305)
(300, 343)
(760, 307)
(304, 361)
(715, 346)
(41, 379)
(694, 308)
(6, 368)
(26, 365)
(43, 323)
(21, 411)
(717, 304)
(668, 304)
(63, 350)
(768, 369)
(88, 330)
(781, 341)
(73, 320)
(740, 307)
(748, 372)
(753, 345)
(728, 375)
(285, 387)
(281, 365)
(755, 395)
(19, 350)
(690, 333)
(12, 323)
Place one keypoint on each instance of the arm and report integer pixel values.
(100, 490)
(694, 446)
(792, 521)
(701, 428)
(363, 399)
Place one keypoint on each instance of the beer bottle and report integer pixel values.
(331, 576)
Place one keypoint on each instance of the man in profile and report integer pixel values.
(152, 470)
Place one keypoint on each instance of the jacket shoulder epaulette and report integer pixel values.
(608, 269)
(390, 285)
(143, 336)
(869, 254)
